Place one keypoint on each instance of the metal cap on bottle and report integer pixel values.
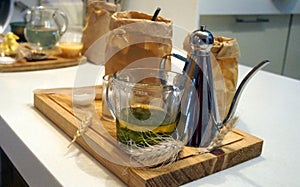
(202, 39)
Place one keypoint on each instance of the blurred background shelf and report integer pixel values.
(265, 29)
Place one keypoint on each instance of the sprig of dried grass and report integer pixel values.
(85, 122)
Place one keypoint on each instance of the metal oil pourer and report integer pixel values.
(201, 115)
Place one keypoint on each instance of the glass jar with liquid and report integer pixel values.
(45, 26)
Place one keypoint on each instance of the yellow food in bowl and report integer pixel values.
(70, 49)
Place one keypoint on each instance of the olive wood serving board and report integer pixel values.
(237, 147)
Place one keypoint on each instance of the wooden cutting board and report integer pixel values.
(23, 65)
(238, 146)
(54, 61)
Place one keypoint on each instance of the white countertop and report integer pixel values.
(268, 109)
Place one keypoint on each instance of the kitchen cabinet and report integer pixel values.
(292, 61)
(246, 7)
(260, 37)
(264, 29)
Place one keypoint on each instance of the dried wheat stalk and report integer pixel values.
(161, 154)
(217, 141)
(166, 151)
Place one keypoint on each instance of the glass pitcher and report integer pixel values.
(45, 26)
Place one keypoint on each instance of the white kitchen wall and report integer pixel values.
(72, 8)
(183, 13)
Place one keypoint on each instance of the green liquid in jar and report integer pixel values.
(144, 126)
(43, 37)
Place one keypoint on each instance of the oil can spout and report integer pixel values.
(241, 88)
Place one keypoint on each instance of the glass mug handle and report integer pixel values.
(62, 28)
(108, 99)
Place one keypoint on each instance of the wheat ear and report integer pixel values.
(161, 154)
(217, 141)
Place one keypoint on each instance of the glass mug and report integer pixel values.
(45, 26)
(145, 104)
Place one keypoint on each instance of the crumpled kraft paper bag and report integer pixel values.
(137, 41)
(226, 52)
(97, 21)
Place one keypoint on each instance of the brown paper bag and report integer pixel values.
(97, 21)
(135, 38)
(227, 51)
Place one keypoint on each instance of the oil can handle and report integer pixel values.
(164, 59)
